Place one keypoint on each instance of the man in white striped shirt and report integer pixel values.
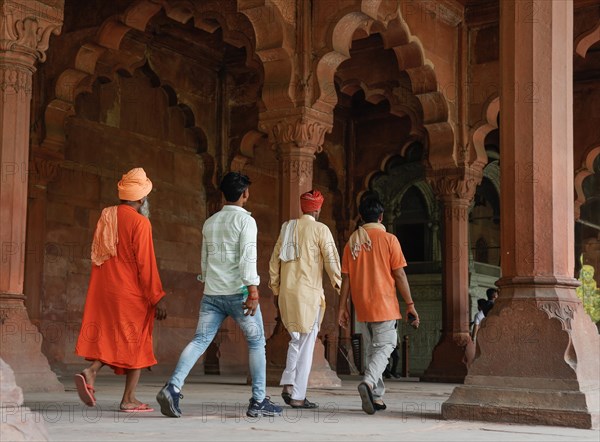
(229, 256)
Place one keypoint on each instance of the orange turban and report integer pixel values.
(311, 201)
(134, 185)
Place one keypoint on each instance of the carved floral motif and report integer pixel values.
(301, 132)
(27, 29)
(15, 79)
(562, 311)
(459, 187)
(297, 170)
(460, 182)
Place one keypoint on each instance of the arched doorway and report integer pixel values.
(158, 87)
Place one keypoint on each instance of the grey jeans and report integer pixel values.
(380, 341)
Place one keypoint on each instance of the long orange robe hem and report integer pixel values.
(118, 317)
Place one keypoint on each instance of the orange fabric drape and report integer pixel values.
(106, 236)
(118, 317)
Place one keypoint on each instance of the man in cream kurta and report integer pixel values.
(304, 247)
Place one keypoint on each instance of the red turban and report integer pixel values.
(311, 201)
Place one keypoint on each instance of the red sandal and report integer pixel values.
(85, 390)
(143, 408)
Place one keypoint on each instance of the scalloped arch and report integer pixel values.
(426, 192)
(488, 123)
(585, 41)
(418, 95)
(586, 170)
(492, 173)
(106, 55)
(383, 167)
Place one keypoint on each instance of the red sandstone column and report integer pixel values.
(297, 139)
(42, 170)
(537, 351)
(455, 189)
(25, 29)
(296, 175)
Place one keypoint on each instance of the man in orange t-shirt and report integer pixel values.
(124, 296)
(372, 269)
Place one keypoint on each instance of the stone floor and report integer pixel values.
(214, 409)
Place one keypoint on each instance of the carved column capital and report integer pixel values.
(297, 135)
(452, 184)
(26, 27)
(298, 131)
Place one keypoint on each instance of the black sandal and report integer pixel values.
(379, 407)
(306, 404)
(287, 397)
(366, 397)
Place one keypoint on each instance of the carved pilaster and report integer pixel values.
(26, 27)
(42, 170)
(25, 30)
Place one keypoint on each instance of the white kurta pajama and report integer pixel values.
(297, 279)
(299, 361)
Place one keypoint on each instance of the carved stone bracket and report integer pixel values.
(563, 311)
(26, 26)
(42, 171)
(300, 131)
(455, 183)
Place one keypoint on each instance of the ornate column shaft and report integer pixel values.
(25, 29)
(297, 139)
(43, 168)
(455, 190)
(537, 358)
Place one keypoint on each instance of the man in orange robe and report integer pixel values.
(125, 294)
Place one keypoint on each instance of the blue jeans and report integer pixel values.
(213, 311)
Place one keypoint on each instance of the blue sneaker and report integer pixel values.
(168, 399)
(264, 408)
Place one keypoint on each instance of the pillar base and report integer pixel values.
(527, 406)
(537, 362)
(17, 421)
(450, 360)
(21, 344)
(321, 375)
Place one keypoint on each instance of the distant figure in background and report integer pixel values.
(588, 291)
(481, 305)
(492, 294)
